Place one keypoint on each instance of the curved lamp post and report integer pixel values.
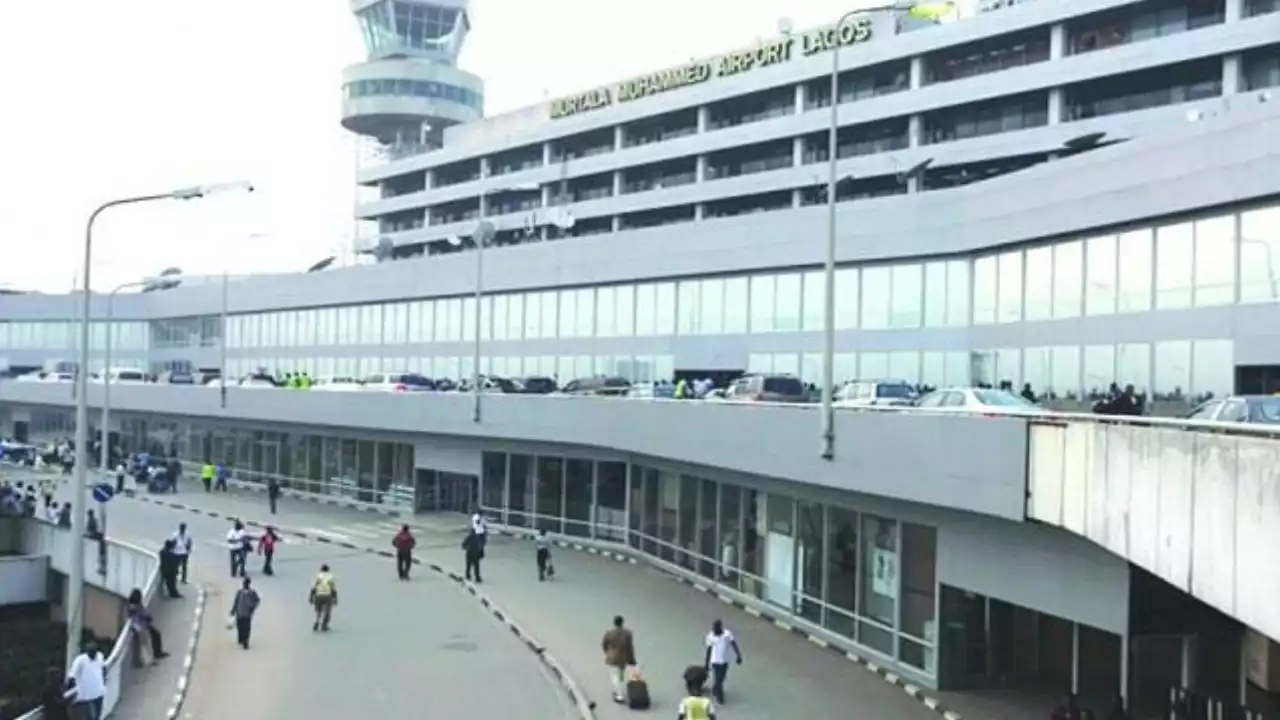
(75, 604)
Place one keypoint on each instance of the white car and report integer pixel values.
(978, 400)
(334, 383)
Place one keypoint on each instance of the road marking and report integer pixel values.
(326, 533)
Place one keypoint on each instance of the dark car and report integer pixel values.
(538, 385)
(1254, 409)
(598, 385)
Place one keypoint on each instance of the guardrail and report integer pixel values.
(123, 570)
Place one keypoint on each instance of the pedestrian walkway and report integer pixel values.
(784, 675)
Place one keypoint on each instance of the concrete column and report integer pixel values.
(1124, 668)
(917, 72)
(430, 180)
(1057, 41)
(618, 136)
(1055, 105)
(595, 495)
(617, 223)
(703, 114)
(1188, 670)
(1234, 10)
(546, 153)
(796, 197)
(797, 152)
(697, 211)
(799, 98)
(485, 170)
(915, 131)
(1075, 658)
(701, 171)
(1231, 74)
(617, 183)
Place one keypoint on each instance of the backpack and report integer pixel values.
(324, 586)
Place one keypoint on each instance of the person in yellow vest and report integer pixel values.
(206, 476)
(324, 596)
(696, 705)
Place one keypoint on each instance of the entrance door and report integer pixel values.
(458, 493)
(965, 649)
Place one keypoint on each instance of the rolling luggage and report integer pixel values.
(637, 690)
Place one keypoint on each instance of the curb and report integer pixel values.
(913, 691)
(333, 501)
(189, 660)
(584, 706)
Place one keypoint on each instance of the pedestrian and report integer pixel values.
(53, 698)
(719, 640)
(619, 654)
(169, 564)
(243, 606)
(273, 493)
(324, 597)
(473, 549)
(206, 476)
(695, 705)
(404, 543)
(236, 540)
(221, 473)
(88, 679)
(267, 549)
(140, 622)
(543, 556)
(120, 476)
(182, 544)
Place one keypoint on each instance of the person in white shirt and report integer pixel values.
(719, 640)
(237, 541)
(182, 549)
(88, 673)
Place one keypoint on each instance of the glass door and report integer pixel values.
(964, 651)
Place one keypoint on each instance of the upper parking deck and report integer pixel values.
(1194, 503)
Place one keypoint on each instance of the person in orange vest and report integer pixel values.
(404, 543)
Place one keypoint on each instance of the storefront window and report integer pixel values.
(635, 521)
(578, 481)
(668, 515)
(550, 499)
(493, 498)
(753, 533)
(611, 500)
(707, 528)
(729, 551)
(879, 583)
(780, 552)
(842, 571)
(652, 511)
(810, 559)
(688, 521)
(519, 500)
(919, 573)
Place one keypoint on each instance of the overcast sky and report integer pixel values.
(107, 99)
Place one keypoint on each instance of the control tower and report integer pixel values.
(409, 89)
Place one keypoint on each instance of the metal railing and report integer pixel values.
(395, 496)
(122, 648)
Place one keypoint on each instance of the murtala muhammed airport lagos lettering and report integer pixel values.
(765, 54)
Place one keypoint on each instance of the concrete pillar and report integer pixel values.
(1188, 670)
(917, 72)
(617, 223)
(595, 495)
(430, 180)
(1057, 41)
(796, 197)
(1055, 105)
(915, 131)
(799, 98)
(1124, 668)
(797, 152)
(701, 171)
(619, 135)
(1231, 75)
(546, 153)
(1233, 10)
(1075, 658)
(697, 211)
(485, 170)
(617, 183)
(704, 113)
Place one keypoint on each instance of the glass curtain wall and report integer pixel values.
(864, 576)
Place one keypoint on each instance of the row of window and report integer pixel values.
(63, 335)
(1212, 261)
(1172, 369)
(414, 88)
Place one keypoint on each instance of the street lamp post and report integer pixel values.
(75, 606)
(482, 236)
(829, 264)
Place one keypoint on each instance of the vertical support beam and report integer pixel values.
(564, 493)
(626, 506)
(506, 488)
(1075, 658)
(1124, 668)
(593, 514)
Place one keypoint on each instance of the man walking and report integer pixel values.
(237, 541)
(273, 493)
(473, 549)
(324, 596)
(242, 608)
(719, 640)
(404, 543)
(169, 564)
(267, 549)
(182, 549)
(89, 681)
(619, 654)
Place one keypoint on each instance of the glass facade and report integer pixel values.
(896, 319)
(866, 577)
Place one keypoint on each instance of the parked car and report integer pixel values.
(979, 400)
(767, 387)
(866, 393)
(1254, 409)
(258, 380)
(397, 382)
(537, 385)
(603, 385)
(173, 377)
(336, 383)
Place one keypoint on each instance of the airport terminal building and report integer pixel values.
(1057, 193)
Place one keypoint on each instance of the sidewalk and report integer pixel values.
(148, 693)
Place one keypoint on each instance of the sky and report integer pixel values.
(145, 96)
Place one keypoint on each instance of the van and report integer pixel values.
(767, 387)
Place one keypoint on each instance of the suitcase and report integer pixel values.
(637, 694)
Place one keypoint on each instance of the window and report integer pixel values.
(711, 307)
(645, 310)
(687, 308)
(1100, 275)
(1260, 255)
(908, 289)
(762, 296)
(847, 299)
(1137, 259)
(877, 284)
(736, 294)
(1039, 295)
(984, 290)
(624, 311)
(1175, 261)
(1009, 284)
(1068, 279)
(1215, 261)
(787, 295)
(813, 305)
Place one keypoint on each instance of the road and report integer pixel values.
(784, 675)
(396, 649)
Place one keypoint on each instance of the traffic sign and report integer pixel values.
(103, 492)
